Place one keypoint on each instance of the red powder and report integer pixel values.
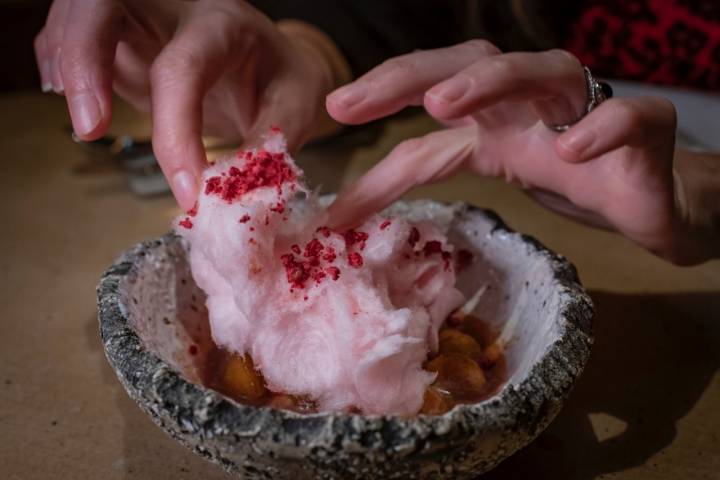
(313, 248)
(252, 229)
(334, 272)
(296, 272)
(325, 231)
(186, 222)
(319, 276)
(278, 208)
(244, 219)
(275, 129)
(194, 210)
(433, 246)
(261, 169)
(385, 224)
(446, 256)
(354, 237)
(463, 259)
(330, 254)
(414, 237)
(299, 271)
(355, 260)
(213, 185)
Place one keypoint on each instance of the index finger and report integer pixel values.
(402, 81)
(208, 45)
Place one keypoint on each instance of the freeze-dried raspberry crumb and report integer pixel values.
(355, 260)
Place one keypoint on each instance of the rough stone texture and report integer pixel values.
(150, 311)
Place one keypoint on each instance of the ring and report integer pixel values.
(597, 92)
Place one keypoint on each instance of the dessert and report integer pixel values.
(313, 319)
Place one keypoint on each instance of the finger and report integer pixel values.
(283, 106)
(54, 32)
(413, 162)
(402, 81)
(43, 61)
(206, 46)
(647, 122)
(88, 55)
(553, 80)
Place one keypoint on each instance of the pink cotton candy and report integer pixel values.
(344, 318)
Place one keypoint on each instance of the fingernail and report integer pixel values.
(56, 74)
(185, 188)
(85, 113)
(46, 84)
(578, 141)
(451, 90)
(349, 95)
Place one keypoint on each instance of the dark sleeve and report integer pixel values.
(370, 31)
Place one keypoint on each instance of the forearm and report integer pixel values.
(697, 189)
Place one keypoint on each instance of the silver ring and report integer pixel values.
(597, 92)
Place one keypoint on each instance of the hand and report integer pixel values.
(614, 168)
(211, 66)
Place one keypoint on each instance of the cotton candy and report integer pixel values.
(345, 318)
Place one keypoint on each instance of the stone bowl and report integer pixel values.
(154, 329)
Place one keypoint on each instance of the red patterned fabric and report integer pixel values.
(672, 42)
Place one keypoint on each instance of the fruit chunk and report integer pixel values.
(491, 355)
(454, 341)
(434, 402)
(291, 402)
(241, 380)
(457, 374)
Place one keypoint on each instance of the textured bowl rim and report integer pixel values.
(527, 406)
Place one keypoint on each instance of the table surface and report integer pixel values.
(646, 407)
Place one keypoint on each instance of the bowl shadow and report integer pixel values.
(654, 356)
(148, 452)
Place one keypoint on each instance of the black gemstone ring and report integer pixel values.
(597, 92)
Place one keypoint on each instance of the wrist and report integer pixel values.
(697, 199)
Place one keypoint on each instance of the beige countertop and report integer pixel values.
(646, 407)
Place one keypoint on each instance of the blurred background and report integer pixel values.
(20, 21)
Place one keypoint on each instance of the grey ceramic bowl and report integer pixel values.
(152, 316)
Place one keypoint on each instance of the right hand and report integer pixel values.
(613, 168)
(212, 66)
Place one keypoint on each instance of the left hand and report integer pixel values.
(613, 168)
(217, 67)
